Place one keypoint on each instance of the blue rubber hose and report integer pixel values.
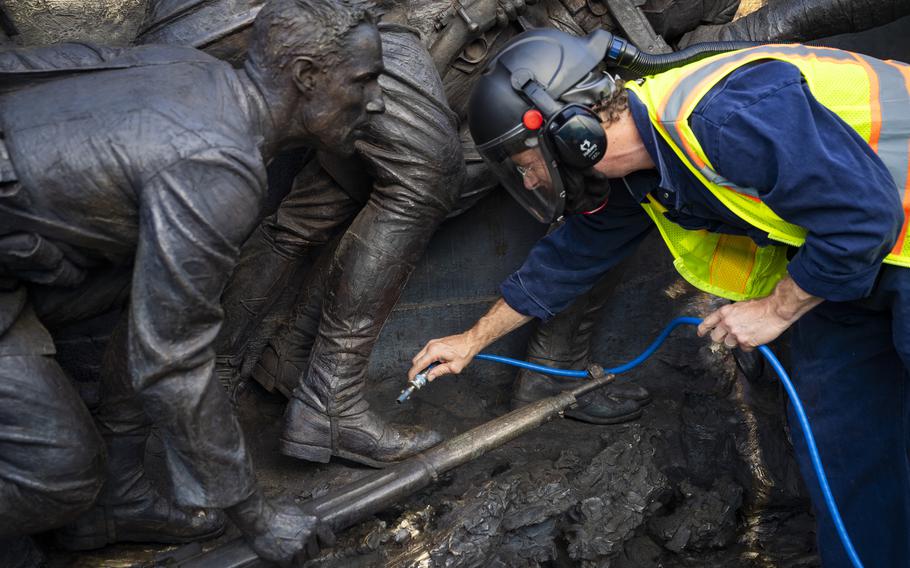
(781, 373)
(566, 373)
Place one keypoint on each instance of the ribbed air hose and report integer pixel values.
(650, 63)
(620, 53)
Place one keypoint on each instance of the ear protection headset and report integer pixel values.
(571, 131)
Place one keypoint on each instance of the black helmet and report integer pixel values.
(529, 114)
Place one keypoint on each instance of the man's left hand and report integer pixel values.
(745, 325)
(756, 322)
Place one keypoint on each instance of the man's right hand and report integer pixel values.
(453, 353)
(280, 532)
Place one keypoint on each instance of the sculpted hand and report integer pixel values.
(509, 10)
(756, 322)
(453, 353)
(280, 532)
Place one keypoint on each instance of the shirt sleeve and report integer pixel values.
(568, 261)
(763, 129)
(193, 218)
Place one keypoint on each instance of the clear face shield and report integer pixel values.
(522, 163)
(526, 165)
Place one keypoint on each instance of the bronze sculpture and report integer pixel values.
(460, 70)
(141, 193)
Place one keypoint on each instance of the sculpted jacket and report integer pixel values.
(151, 164)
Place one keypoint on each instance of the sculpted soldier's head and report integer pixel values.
(317, 63)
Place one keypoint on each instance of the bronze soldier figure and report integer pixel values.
(135, 178)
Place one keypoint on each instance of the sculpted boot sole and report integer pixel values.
(321, 454)
(582, 416)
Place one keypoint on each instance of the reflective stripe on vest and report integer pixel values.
(870, 95)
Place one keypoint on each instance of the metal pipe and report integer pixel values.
(360, 499)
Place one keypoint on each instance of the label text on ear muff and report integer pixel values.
(588, 148)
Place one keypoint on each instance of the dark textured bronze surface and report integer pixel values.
(111, 22)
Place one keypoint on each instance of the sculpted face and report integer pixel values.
(339, 98)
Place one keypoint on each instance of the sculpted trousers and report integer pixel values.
(51, 455)
(52, 449)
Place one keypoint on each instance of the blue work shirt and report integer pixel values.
(760, 127)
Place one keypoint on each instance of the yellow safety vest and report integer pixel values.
(870, 95)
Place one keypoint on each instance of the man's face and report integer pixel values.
(337, 112)
(533, 170)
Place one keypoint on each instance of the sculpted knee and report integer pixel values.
(58, 491)
(71, 485)
(86, 475)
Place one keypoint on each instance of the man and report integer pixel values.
(782, 185)
(139, 176)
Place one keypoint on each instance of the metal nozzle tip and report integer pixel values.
(405, 394)
(419, 381)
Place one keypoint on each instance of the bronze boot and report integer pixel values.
(129, 509)
(327, 414)
(613, 404)
(363, 437)
(353, 432)
(313, 435)
(565, 342)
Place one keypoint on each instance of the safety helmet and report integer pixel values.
(530, 116)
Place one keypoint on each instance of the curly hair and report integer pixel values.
(611, 108)
(287, 29)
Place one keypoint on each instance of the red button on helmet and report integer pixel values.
(532, 119)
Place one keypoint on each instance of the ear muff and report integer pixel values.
(576, 136)
(572, 131)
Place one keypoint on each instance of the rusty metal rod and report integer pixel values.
(356, 501)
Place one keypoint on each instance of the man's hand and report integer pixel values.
(756, 322)
(453, 353)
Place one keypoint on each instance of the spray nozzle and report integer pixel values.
(415, 384)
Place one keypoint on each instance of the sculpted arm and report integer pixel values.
(193, 216)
